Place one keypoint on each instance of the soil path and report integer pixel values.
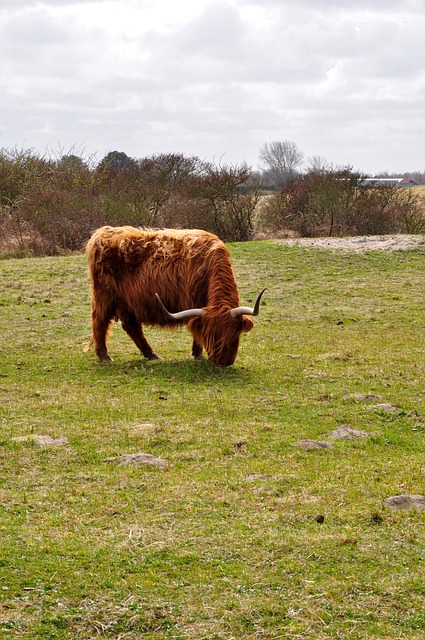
(360, 243)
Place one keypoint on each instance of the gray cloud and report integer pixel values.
(344, 80)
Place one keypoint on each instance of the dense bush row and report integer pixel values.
(331, 203)
(49, 206)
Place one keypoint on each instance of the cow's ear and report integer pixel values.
(247, 324)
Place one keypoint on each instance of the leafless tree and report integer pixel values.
(281, 161)
(317, 164)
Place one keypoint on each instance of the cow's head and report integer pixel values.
(218, 330)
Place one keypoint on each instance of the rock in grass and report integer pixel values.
(308, 445)
(406, 501)
(386, 406)
(367, 397)
(139, 458)
(347, 432)
(42, 440)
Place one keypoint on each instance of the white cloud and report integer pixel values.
(217, 78)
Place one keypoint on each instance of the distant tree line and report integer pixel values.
(51, 205)
(281, 163)
(326, 201)
(331, 202)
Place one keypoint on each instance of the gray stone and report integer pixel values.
(406, 501)
(346, 432)
(308, 445)
(367, 397)
(139, 458)
(386, 406)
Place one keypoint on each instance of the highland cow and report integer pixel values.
(166, 278)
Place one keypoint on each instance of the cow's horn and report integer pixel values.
(248, 311)
(181, 315)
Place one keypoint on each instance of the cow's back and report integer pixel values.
(131, 265)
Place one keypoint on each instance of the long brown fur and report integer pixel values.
(187, 268)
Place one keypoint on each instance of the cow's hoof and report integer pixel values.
(105, 358)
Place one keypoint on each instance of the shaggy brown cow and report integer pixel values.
(147, 277)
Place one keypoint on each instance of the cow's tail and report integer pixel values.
(89, 345)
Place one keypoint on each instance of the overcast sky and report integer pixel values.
(344, 79)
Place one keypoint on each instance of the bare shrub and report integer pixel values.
(19, 171)
(230, 205)
(62, 207)
(316, 204)
(410, 211)
(375, 211)
(331, 203)
(183, 211)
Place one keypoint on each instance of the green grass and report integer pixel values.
(204, 549)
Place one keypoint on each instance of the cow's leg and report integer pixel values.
(134, 329)
(196, 350)
(101, 321)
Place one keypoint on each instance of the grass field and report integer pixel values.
(244, 534)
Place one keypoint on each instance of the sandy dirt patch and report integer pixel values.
(360, 244)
